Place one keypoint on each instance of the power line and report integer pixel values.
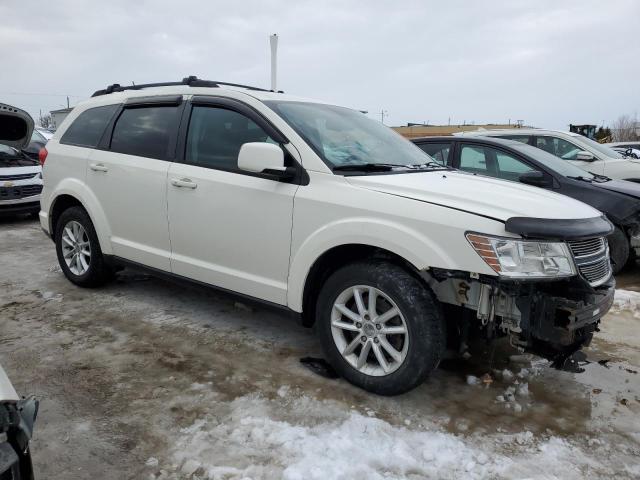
(43, 94)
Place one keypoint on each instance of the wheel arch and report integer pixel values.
(74, 193)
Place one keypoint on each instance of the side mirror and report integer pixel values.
(261, 157)
(585, 156)
(537, 179)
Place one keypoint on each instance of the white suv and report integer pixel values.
(581, 151)
(318, 210)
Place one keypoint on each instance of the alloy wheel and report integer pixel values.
(76, 248)
(369, 330)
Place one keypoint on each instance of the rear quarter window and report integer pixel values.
(87, 129)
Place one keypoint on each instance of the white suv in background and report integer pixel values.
(587, 154)
(319, 211)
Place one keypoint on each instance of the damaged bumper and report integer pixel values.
(16, 428)
(552, 319)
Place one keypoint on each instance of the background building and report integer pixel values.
(57, 116)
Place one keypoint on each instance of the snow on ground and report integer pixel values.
(252, 440)
(627, 300)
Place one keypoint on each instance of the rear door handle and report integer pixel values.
(183, 183)
(98, 167)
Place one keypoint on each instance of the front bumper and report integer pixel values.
(562, 316)
(29, 205)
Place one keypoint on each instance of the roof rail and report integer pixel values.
(191, 81)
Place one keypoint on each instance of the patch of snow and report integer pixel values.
(626, 300)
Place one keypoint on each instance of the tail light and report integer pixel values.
(42, 155)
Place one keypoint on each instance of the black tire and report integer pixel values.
(98, 272)
(419, 307)
(619, 250)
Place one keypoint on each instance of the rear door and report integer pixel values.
(229, 228)
(128, 174)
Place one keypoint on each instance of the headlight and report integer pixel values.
(524, 258)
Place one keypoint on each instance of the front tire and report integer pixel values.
(380, 327)
(78, 249)
(619, 250)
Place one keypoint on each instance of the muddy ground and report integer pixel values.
(148, 379)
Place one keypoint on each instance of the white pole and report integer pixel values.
(274, 60)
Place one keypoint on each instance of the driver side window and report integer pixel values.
(216, 135)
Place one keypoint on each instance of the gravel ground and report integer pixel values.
(147, 379)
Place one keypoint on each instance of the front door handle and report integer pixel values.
(98, 167)
(183, 183)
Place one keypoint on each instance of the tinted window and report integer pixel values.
(558, 147)
(216, 135)
(473, 159)
(87, 129)
(439, 151)
(492, 162)
(145, 131)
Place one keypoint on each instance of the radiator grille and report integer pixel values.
(592, 259)
(18, 176)
(22, 191)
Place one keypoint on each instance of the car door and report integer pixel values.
(228, 227)
(128, 175)
(568, 151)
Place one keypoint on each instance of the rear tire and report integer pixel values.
(619, 250)
(78, 250)
(370, 345)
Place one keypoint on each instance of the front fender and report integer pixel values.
(79, 190)
(409, 244)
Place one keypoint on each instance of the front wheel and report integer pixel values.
(380, 327)
(619, 250)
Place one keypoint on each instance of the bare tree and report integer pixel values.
(46, 121)
(624, 129)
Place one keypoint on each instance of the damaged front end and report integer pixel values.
(17, 417)
(551, 317)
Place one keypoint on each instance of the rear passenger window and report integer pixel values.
(216, 135)
(145, 131)
(439, 151)
(473, 159)
(87, 129)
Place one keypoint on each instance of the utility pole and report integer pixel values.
(67, 102)
(383, 113)
(273, 39)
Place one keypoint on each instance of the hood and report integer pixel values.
(489, 197)
(621, 186)
(16, 126)
(7, 392)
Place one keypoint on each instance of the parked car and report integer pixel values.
(38, 140)
(628, 152)
(20, 176)
(321, 212)
(625, 145)
(17, 417)
(583, 152)
(517, 162)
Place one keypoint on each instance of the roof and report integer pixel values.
(62, 110)
(477, 139)
(519, 131)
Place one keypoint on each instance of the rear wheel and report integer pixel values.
(618, 249)
(380, 327)
(78, 249)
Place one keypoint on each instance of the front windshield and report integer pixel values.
(603, 149)
(345, 137)
(564, 168)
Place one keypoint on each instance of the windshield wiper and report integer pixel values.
(581, 178)
(430, 165)
(368, 167)
(600, 178)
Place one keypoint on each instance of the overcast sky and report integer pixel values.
(549, 63)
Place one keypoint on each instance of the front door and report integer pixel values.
(228, 228)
